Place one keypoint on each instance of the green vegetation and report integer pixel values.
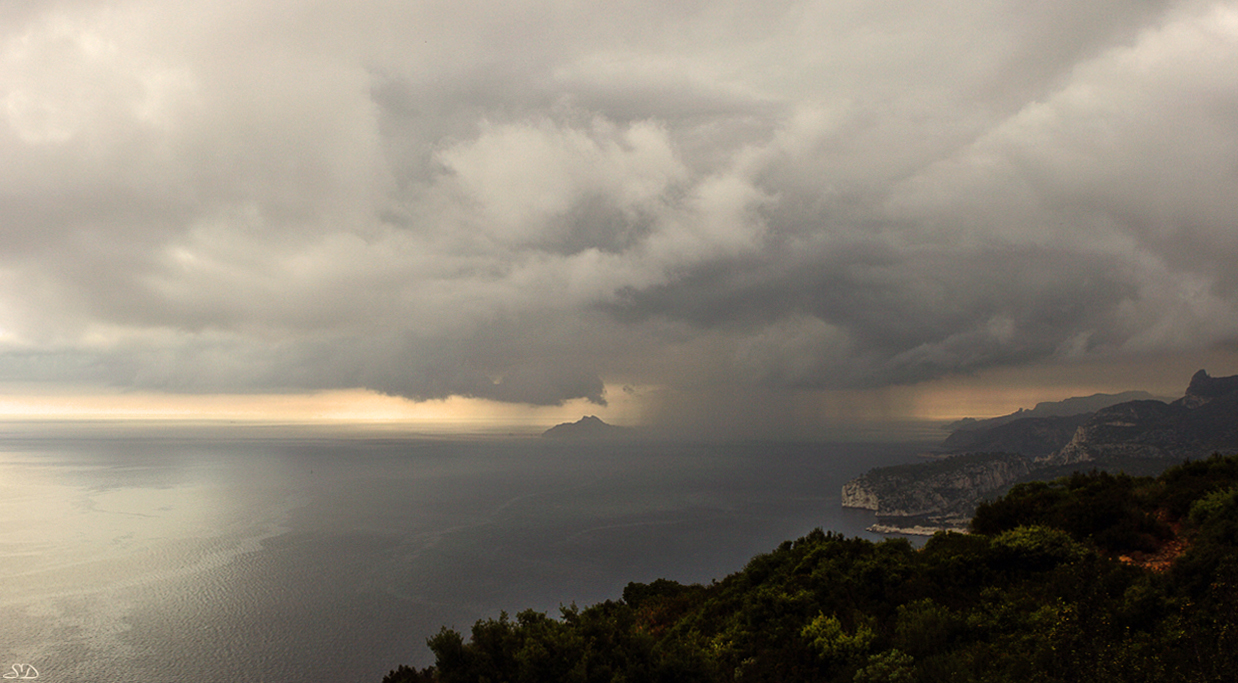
(1092, 577)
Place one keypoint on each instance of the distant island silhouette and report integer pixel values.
(588, 427)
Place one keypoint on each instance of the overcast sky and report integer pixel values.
(702, 205)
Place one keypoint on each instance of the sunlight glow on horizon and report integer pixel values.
(989, 393)
(346, 406)
(361, 406)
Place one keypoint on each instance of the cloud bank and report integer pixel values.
(528, 201)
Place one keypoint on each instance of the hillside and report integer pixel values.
(985, 459)
(1029, 436)
(1205, 419)
(1093, 577)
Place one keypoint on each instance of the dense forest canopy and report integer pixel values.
(1092, 577)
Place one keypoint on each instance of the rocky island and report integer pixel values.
(588, 427)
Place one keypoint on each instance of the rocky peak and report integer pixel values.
(1204, 388)
(1199, 423)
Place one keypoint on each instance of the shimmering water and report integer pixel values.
(220, 556)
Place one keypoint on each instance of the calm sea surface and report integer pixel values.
(233, 555)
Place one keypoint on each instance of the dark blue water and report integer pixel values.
(219, 555)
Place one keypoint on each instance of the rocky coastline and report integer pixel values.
(928, 497)
(982, 459)
(915, 530)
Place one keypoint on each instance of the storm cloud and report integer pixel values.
(530, 201)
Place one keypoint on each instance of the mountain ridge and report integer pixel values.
(1143, 434)
(1075, 405)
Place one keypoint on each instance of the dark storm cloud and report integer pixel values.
(526, 201)
(907, 316)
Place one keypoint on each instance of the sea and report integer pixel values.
(223, 553)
